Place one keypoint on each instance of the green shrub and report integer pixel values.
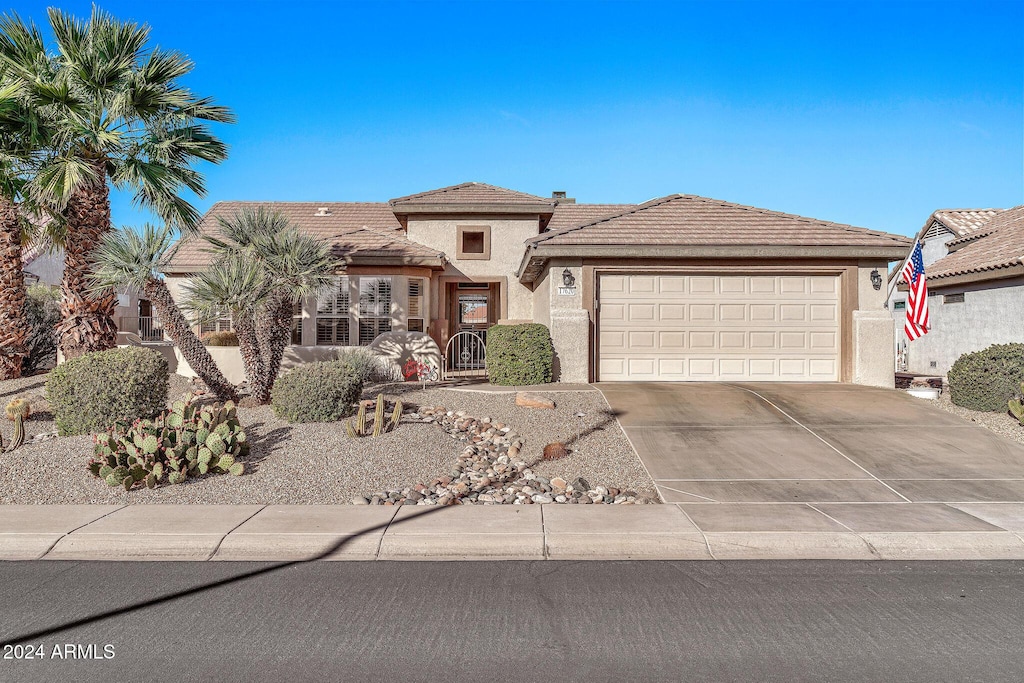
(225, 338)
(317, 392)
(183, 441)
(519, 355)
(986, 380)
(93, 392)
(42, 310)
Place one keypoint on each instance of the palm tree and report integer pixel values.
(238, 287)
(281, 265)
(125, 258)
(121, 119)
(23, 133)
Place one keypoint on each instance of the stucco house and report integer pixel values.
(974, 264)
(677, 288)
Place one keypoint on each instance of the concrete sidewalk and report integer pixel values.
(687, 531)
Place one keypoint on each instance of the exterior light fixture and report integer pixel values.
(876, 279)
(567, 278)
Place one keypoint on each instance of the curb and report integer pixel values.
(975, 531)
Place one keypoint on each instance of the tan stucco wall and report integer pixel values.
(507, 237)
(874, 360)
(542, 299)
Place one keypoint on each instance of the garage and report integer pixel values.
(718, 327)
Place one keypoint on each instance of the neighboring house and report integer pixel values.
(678, 288)
(974, 263)
(133, 314)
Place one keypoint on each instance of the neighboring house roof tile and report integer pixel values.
(357, 229)
(692, 220)
(470, 193)
(998, 245)
(963, 221)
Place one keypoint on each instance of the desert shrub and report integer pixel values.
(42, 310)
(987, 379)
(369, 366)
(317, 392)
(93, 392)
(518, 355)
(225, 338)
(183, 441)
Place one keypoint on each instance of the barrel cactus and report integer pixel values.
(17, 411)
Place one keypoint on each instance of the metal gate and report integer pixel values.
(466, 355)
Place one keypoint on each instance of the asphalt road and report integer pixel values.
(515, 621)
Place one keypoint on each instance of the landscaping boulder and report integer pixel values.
(527, 399)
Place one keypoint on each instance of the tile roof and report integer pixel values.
(963, 221)
(998, 244)
(692, 220)
(470, 193)
(571, 215)
(358, 230)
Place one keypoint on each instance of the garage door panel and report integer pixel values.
(732, 312)
(707, 328)
(824, 313)
(705, 340)
(641, 313)
(671, 312)
(702, 312)
(642, 339)
(732, 341)
(732, 285)
(672, 341)
(613, 340)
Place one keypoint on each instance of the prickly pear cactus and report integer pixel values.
(184, 441)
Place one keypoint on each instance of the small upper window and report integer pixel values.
(899, 305)
(953, 298)
(474, 242)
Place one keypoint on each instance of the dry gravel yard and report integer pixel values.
(1000, 423)
(318, 463)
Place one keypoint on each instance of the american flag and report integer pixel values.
(917, 295)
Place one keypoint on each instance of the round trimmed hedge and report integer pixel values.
(986, 380)
(95, 391)
(519, 355)
(317, 392)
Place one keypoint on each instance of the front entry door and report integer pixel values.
(474, 308)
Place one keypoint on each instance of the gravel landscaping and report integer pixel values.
(1000, 423)
(319, 464)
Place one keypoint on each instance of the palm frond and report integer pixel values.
(127, 258)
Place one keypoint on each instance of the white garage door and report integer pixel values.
(719, 327)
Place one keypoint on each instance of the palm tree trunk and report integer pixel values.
(87, 319)
(252, 358)
(275, 328)
(194, 351)
(14, 328)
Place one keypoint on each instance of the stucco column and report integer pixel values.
(874, 361)
(570, 334)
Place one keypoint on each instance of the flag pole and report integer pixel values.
(895, 277)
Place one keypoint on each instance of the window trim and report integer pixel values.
(467, 256)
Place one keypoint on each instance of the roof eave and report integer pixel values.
(986, 275)
(537, 254)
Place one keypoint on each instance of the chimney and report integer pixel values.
(323, 211)
(560, 198)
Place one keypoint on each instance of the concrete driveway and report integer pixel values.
(828, 443)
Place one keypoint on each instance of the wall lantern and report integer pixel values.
(567, 278)
(876, 279)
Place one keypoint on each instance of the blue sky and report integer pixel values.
(873, 114)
